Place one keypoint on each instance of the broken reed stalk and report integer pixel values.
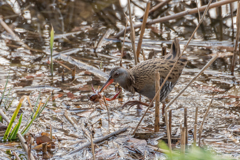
(15, 154)
(142, 30)
(99, 140)
(132, 32)
(237, 38)
(201, 126)
(178, 15)
(123, 44)
(92, 146)
(170, 123)
(195, 128)
(21, 138)
(183, 145)
(173, 68)
(185, 125)
(157, 110)
(168, 131)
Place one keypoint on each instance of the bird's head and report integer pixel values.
(119, 75)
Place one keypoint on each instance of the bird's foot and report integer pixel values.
(132, 103)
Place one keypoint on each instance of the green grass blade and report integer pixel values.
(36, 104)
(13, 134)
(26, 129)
(51, 48)
(43, 106)
(13, 118)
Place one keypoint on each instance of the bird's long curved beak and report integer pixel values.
(109, 81)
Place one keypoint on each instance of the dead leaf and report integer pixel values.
(70, 95)
(42, 139)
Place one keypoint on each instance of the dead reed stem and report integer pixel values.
(203, 69)
(183, 139)
(99, 140)
(132, 32)
(92, 146)
(173, 68)
(15, 154)
(201, 126)
(185, 126)
(195, 127)
(168, 131)
(23, 141)
(157, 110)
(237, 38)
(170, 123)
(142, 30)
(178, 15)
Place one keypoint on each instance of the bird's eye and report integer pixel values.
(116, 74)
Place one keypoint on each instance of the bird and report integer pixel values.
(141, 78)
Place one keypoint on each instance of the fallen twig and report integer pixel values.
(23, 142)
(99, 140)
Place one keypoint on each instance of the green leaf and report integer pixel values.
(30, 123)
(51, 48)
(13, 134)
(13, 118)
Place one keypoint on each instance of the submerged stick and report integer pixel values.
(23, 141)
(237, 39)
(99, 140)
(142, 30)
(132, 33)
(157, 114)
(178, 15)
(201, 126)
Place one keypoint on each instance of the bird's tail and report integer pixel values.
(175, 49)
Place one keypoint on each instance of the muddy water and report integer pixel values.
(79, 27)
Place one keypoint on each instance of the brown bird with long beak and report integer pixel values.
(141, 78)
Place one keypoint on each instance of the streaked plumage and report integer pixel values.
(141, 78)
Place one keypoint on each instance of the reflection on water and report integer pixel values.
(79, 25)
